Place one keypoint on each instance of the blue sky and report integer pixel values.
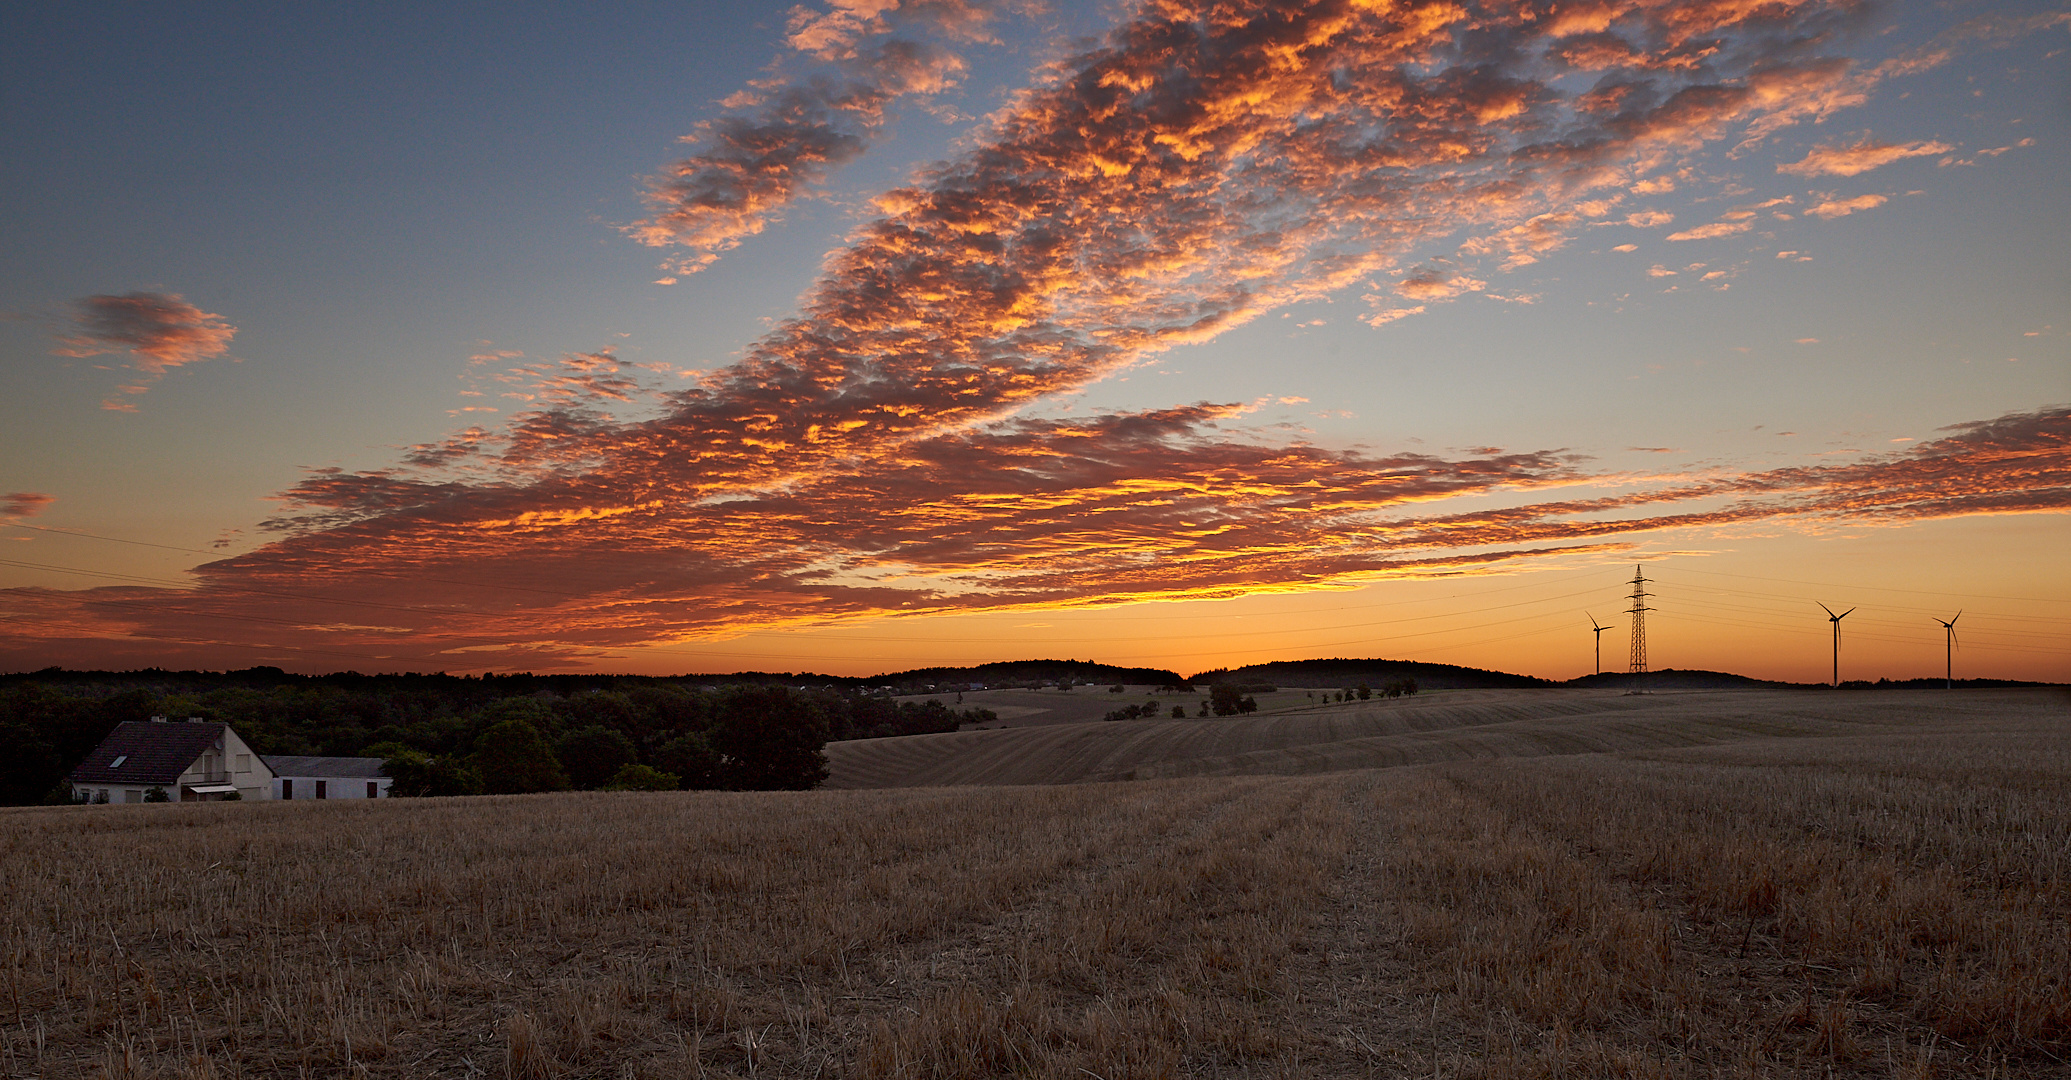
(373, 196)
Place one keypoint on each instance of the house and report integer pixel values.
(327, 778)
(189, 762)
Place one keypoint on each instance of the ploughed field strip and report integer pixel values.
(1864, 886)
(1446, 726)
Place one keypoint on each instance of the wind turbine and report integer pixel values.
(1836, 620)
(1949, 651)
(1600, 642)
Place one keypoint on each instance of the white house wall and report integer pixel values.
(230, 761)
(335, 787)
(246, 770)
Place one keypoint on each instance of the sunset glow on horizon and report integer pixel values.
(1175, 335)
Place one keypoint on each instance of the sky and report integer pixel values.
(854, 336)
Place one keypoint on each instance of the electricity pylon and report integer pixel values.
(1599, 643)
(1836, 620)
(1638, 611)
(1949, 651)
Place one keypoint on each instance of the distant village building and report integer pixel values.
(327, 778)
(188, 762)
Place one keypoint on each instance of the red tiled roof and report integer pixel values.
(151, 753)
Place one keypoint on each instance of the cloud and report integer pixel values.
(1833, 208)
(160, 331)
(1712, 231)
(1437, 283)
(1121, 507)
(883, 452)
(787, 135)
(24, 504)
(1649, 219)
(1860, 157)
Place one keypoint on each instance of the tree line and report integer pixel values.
(454, 735)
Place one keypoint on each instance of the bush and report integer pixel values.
(417, 775)
(637, 777)
(156, 794)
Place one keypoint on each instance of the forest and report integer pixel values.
(458, 735)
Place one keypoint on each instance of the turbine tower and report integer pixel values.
(1948, 650)
(1836, 620)
(1638, 611)
(1599, 643)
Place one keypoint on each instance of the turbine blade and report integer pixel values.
(1828, 610)
(1844, 614)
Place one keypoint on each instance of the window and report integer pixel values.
(287, 788)
(132, 795)
(244, 763)
(119, 759)
(321, 785)
(373, 789)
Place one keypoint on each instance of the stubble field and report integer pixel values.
(1871, 888)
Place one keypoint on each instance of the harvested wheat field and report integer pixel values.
(1872, 889)
(1446, 726)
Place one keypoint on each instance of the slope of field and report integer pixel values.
(1033, 708)
(1877, 895)
(1406, 731)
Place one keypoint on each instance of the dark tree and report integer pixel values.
(593, 755)
(513, 758)
(691, 759)
(769, 738)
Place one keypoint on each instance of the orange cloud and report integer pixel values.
(24, 504)
(786, 137)
(1117, 508)
(1860, 157)
(159, 330)
(1833, 208)
(1713, 231)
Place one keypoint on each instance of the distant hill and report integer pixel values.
(1029, 671)
(1334, 673)
(1673, 679)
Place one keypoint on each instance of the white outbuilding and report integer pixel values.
(327, 777)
